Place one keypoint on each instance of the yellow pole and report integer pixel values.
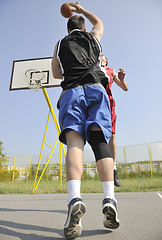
(53, 115)
(63, 167)
(60, 167)
(41, 151)
(58, 132)
(51, 109)
(13, 173)
(45, 166)
(150, 159)
(126, 165)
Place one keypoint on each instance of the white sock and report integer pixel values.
(73, 189)
(115, 166)
(108, 188)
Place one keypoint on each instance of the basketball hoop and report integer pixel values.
(34, 78)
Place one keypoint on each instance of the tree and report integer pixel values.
(3, 157)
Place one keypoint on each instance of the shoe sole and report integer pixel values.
(73, 227)
(117, 183)
(110, 212)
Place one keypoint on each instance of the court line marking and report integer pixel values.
(160, 195)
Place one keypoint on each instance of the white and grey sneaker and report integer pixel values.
(110, 211)
(73, 227)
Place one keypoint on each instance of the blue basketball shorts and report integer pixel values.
(82, 106)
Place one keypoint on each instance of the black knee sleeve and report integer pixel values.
(99, 146)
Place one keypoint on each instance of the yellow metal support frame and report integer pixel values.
(151, 167)
(13, 173)
(51, 111)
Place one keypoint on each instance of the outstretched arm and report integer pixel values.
(97, 30)
(119, 79)
(56, 69)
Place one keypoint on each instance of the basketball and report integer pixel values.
(66, 10)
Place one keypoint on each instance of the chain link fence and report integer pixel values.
(132, 160)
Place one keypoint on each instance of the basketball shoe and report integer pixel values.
(73, 227)
(117, 182)
(110, 211)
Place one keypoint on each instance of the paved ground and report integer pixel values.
(41, 217)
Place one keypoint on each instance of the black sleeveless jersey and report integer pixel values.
(78, 54)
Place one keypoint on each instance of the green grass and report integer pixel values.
(144, 184)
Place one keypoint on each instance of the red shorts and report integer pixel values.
(113, 115)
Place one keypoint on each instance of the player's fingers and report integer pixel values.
(76, 5)
(122, 71)
(72, 4)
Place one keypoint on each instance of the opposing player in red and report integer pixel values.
(119, 79)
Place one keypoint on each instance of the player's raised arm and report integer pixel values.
(119, 79)
(56, 69)
(97, 30)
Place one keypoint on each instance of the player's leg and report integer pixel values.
(71, 117)
(74, 157)
(109, 202)
(104, 160)
(112, 147)
(105, 167)
(98, 132)
(74, 171)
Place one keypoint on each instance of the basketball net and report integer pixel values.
(34, 78)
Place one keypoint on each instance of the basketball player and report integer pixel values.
(84, 115)
(119, 79)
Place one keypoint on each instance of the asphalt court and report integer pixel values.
(41, 217)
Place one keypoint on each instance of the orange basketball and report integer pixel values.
(66, 10)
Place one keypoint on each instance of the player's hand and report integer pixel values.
(77, 7)
(121, 74)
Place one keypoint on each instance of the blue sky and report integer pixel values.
(132, 39)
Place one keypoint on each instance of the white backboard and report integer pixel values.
(19, 80)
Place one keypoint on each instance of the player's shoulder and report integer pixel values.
(110, 70)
